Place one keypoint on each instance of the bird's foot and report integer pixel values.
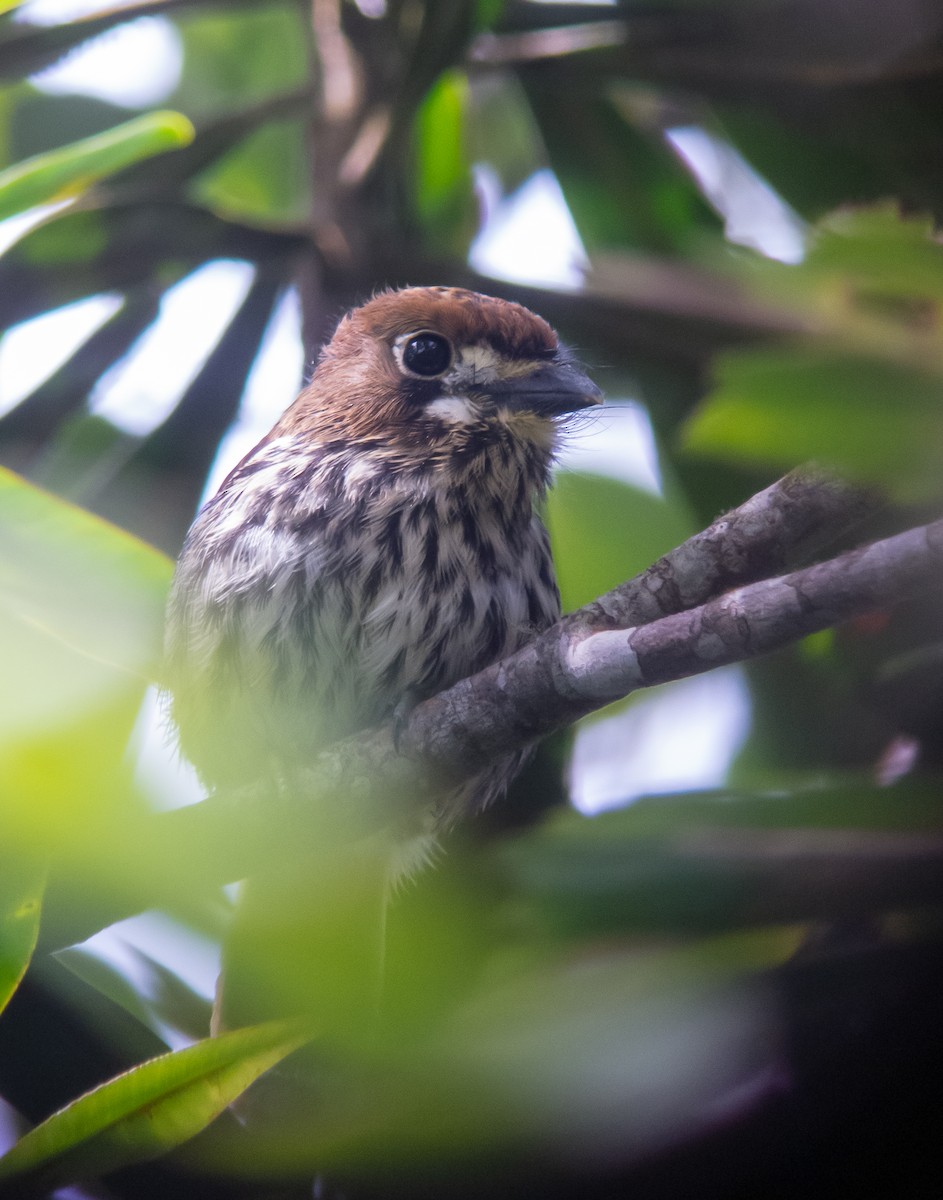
(401, 714)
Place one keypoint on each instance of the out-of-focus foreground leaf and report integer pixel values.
(84, 584)
(81, 610)
(21, 890)
(150, 1109)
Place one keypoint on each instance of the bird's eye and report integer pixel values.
(427, 354)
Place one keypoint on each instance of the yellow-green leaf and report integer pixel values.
(70, 580)
(64, 173)
(21, 889)
(877, 421)
(150, 1109)
(81, 614)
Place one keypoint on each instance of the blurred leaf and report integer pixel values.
(874, 420)
(486, 13)
(79, 581)
(83, 454)
(187, 441)
(614, 1055)
(21, 890)
(604, 532)
(39, 122)
(802, 802)
(873, 139)
(862, 392)
(880, 251)
(214, 139)
(240, 55)
(607, 1054)
(173, 1001)
(63, 174)
(623, 187)
(812, 172)
(436, 46)
(190, 436)
(26, 48)
(719, 861)
(870, 277)
(150, 1109)
(162, 1000)
(82, 253)
(264, 177)
(111, 981)
(502, 133)
(39, 415)
(443, 185)
(81, 612)
(840, 104)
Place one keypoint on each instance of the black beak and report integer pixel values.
(550, 391)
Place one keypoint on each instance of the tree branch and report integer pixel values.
(568, 672)
(780, 526)
(670, 623)
(646, 631)
(673, 621)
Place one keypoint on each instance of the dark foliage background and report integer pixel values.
(657, 1000)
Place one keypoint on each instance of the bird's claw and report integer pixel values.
(400, 720)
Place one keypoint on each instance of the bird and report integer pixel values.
(380, 543)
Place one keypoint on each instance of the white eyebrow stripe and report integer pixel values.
(479, 357)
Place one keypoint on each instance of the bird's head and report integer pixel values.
(423, 366)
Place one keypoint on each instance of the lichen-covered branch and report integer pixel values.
(778, 527)
(700, 607)
(578, 665)
(569, 671)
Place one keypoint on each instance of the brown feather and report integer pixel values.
(466, 318)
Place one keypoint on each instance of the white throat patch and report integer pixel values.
(457, 410)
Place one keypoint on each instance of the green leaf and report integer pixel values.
(623, 186)
(162, 1000)
(151, 1108)
(443, 191)
(65, 173)
(40, 123)
(502, 131)
(21, 889)
(604, 532)
(811, 173)
(440, 134)
(875, 420)
(79, 581)
(84, 252)
(715, 860)
(613, 1052)
(240, 55)
(881, 251)
(264, 177)
(81, 614)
